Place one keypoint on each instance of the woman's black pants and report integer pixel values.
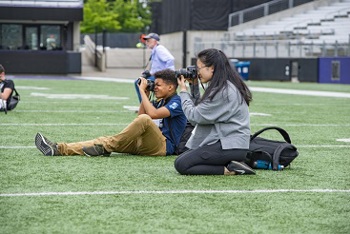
(208, 160)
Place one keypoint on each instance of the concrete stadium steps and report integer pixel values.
(329, 23)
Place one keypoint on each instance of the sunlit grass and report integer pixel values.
(314, 123)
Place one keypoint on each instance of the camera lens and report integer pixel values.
(189, 73)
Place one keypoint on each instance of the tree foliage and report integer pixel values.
(115, 16)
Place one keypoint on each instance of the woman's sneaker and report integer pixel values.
(240, 168)
(45, 146)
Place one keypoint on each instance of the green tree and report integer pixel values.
(115, 16)
(99, 14)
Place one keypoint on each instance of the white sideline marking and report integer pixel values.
(108, 79)
(256, 89)
(302, 125)
(323, 146)
(175, 192)
(258, 114)
(71, 111)
(31, 88)
(66, 124)
(301, 92)
(16, 147)
(76, 96)
(344, 140)
(131, 108)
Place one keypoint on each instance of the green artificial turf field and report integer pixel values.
(138, 194)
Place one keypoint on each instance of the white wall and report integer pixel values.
(174, 43)
(134, 58)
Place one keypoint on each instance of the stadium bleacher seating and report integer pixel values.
(324, 24)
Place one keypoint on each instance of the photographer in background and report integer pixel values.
(220, 140)
(149, 134)
(160, 59)
(6, 87)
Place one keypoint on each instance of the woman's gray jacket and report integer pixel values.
(225, 118)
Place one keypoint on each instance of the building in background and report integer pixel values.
(40, 36)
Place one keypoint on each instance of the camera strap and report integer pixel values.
(148, 62)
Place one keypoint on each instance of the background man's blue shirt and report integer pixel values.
(161, 59)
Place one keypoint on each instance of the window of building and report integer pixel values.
(11, 36)
(50, 37)
(30, 37)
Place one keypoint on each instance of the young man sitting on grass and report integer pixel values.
(149, 133)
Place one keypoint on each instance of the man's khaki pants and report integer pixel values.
(140, 137)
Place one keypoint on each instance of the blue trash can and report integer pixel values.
(242, 68)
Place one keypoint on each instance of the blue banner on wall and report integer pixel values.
(334, 70)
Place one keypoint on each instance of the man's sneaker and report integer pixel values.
(46, 147)
(240, 168)
(96, 150)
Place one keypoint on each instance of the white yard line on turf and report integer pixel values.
(174, 192)
(73, 111)
(255, 89)
(323, 146)
(301, 125)
(301, 92)
(65, 124)
(108, 79)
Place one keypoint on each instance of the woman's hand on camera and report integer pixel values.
(181, 82)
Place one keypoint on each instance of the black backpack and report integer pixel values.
(270, 154)
(12, 102)
(184, 138)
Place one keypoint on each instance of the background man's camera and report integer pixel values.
(150, 83)
(189, 72)
(146, 74)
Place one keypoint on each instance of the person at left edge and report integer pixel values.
(142, 136)
(6, 87)
(160, 58)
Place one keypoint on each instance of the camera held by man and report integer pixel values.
(189, 73)
(150, 83)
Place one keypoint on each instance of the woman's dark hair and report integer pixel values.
(223, 72)
(168, 76)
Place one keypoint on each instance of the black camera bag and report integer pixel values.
(13, 100)
(184, 138)
(275, 152)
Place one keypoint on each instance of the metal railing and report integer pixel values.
(276, 49)
(290, 42)
(262, 10)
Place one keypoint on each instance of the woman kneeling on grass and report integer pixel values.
(220, 139)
